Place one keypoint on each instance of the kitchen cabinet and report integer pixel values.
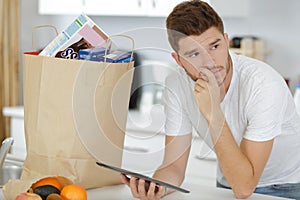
(115, 7)
(161, 8)
(153, 8)
(57, 7)
(150, 8)
(108, 8)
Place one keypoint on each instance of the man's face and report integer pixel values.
(208, 50)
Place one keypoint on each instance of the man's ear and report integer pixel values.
(226, 39)
(176, 58)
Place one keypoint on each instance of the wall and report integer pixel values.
(276, 23)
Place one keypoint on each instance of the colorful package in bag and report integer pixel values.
(93, 54)
(118, 56)
(83, 33)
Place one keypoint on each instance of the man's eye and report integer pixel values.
(214, 47)
(194, 54)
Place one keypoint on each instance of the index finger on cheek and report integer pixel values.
(203, 76)
(210, 76)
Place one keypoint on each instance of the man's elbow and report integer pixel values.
(243, 192)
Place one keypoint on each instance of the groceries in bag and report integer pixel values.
(103, 55)
(83, 33)
(92, 54)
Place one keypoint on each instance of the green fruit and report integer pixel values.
(45, 190)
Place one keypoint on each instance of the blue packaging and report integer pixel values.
(93, 54)
(117, 56)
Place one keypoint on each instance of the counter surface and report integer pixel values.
(197, 192)
(140, 140)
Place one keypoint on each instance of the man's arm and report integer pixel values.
(177, 149)
(172, 170)
(242, 166)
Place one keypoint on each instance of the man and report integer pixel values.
(243, 105)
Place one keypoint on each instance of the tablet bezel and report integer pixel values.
(141, 176)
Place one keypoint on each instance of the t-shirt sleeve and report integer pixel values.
(177, 120)
(265, 111)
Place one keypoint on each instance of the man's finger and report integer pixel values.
(203, 77)
(151, 190)
(133, 187)
(210, 76)
(200, 84)
(141, 188)
(125, 179)
(161, 191)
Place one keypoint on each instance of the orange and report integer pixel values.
(47, 181)
(64, 181)
(73, 192)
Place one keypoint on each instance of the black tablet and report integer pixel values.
(146, 178)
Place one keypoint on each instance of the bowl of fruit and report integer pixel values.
(53, 188)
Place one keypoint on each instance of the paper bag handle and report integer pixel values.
(37, 27)
(118, 35)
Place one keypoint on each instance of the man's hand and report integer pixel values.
(141, 190)
(207, 94)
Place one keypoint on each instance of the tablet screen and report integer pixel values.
(146, 178)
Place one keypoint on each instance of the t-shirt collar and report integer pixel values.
(233, 77)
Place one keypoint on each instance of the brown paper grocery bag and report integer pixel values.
(75, 114)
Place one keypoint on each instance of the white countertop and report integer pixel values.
(201, 187)
(198, 192)
(152, 123)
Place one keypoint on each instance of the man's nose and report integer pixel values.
(205, 62)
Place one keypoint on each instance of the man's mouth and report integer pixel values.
(216, 70)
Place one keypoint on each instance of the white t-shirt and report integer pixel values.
(258, 106)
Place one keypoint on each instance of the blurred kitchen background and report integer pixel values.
(275, 25)
(265, 29)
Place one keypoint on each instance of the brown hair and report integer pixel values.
(191, 18)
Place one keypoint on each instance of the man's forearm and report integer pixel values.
(177, 150)
(170, 175)
(235, 165)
